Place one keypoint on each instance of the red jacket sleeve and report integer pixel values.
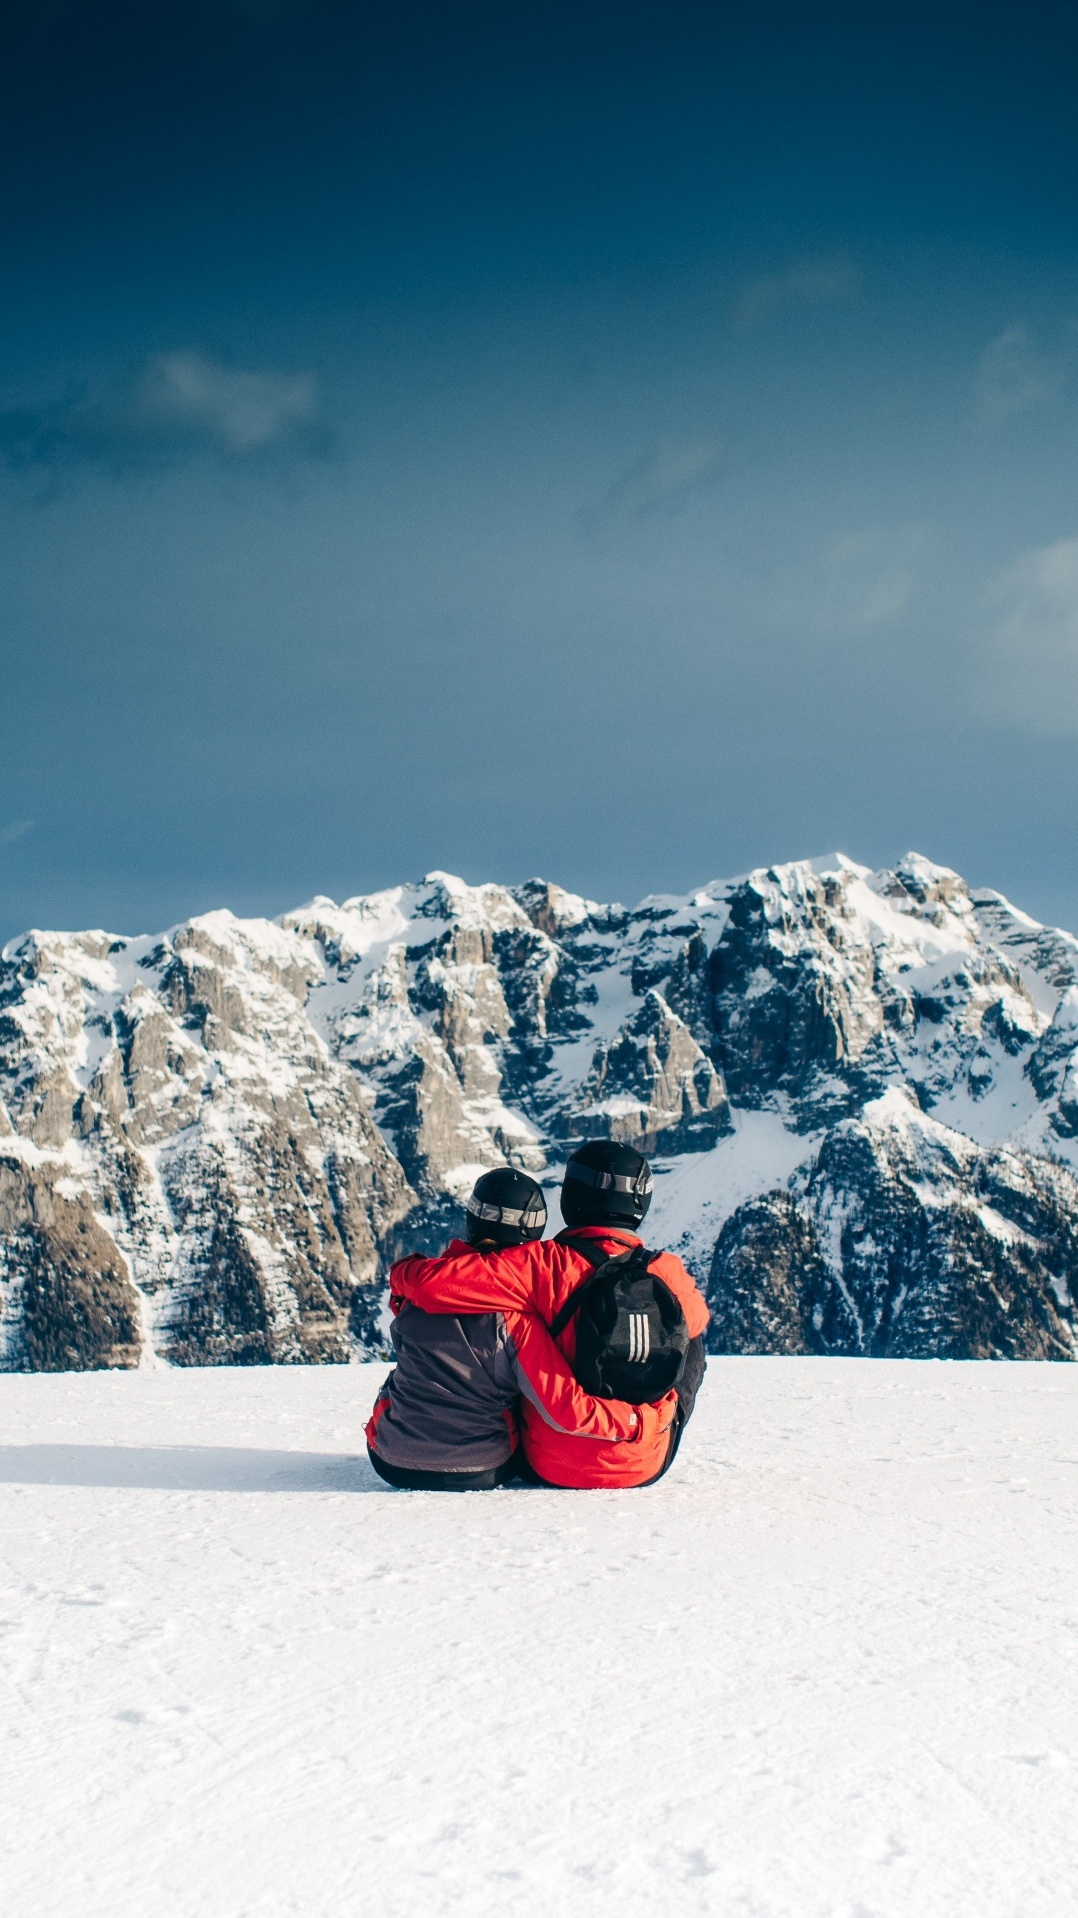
(466, 1282)
(547, 1381)
(518, 1280)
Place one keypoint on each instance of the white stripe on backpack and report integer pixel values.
(639, 1338)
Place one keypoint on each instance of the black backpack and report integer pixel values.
(631, 1335)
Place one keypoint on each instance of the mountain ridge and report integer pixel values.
(860, 1090)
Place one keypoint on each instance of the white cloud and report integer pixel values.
(1030, 668)
(861, 584)
(1013, 375)
(662, 481)
(237, 411)
(180, 405)
(9, 834)
(810, 282)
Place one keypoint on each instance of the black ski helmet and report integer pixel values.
(506, 1207)
(605, 1184)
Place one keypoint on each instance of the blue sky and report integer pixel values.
(624, 443)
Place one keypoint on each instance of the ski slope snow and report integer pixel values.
(827, 1669)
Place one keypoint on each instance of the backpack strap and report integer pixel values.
(574, 1302)
(593, 1253)
(597, 1259)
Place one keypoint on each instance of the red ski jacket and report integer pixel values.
(450, 1404)
(570, 1438)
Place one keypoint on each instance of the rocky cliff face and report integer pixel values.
(860, 1091)
(185, 1169)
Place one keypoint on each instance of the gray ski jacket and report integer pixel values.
(448, 1405)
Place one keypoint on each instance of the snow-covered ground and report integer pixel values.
(827, 1669)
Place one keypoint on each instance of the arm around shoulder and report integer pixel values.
(463, 1281)
(548, 1382)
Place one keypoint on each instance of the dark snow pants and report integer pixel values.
(408, 1479)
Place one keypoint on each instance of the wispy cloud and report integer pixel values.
(1013, 374)
(872, 575)
(16, 830)
(181, 405)
(660, 482)
(809, 282)
(1029, 674)
(861, 584)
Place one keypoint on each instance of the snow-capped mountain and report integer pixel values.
(860, 1091)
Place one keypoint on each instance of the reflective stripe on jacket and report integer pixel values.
(528, 1284)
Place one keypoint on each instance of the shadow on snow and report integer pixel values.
(186, 1468)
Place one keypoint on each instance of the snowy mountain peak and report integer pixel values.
(212, 1140)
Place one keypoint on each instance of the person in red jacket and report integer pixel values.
(446, 1418)
(605, 1196)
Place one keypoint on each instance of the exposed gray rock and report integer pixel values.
(222, 1160)
(652, 1084)
(68, 1304)
(904, 1241)
(767, 1279)
(249, 1120)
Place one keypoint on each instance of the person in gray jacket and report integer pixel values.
(446, 1417)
